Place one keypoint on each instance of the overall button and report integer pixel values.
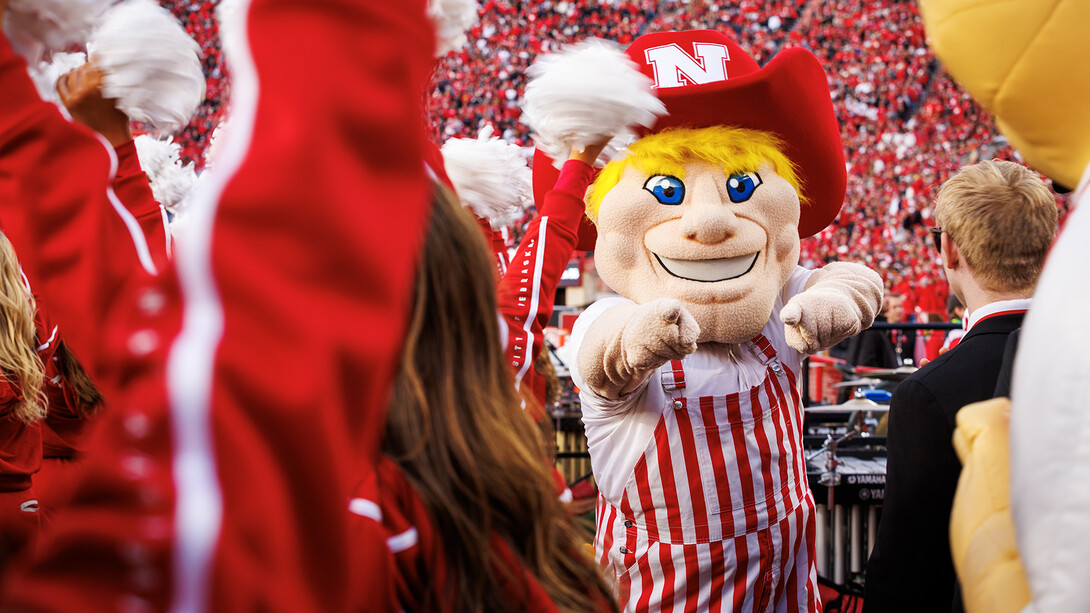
(628, 523)
(678, 405)
(623, 549)
(143, 342)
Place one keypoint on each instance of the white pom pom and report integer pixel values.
(149, 64)
(215, 144)
(179, 224)
(452, 18)
(45, 74)
(171, 181)
(56, 24)
(490, 176)
(585, 94)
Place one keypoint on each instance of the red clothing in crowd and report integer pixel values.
(416, 551)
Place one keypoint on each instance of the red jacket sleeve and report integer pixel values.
(133, 190)
(313, 257)
(59, 211)
(225, 474)
(527, 292)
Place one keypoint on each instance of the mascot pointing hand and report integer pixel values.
(689, 379)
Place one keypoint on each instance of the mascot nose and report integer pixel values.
(708, 220)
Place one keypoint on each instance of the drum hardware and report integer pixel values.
(865, 421)
(830, 478)
(864, 382)
(861, 409)
(851, 406)
(890, 374)
(851, 477)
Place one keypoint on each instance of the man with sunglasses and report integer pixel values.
(996, 221)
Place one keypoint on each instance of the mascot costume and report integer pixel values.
(1019, 530)
(689, 379)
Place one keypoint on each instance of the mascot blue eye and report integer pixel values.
(666, 189)
(741, 187)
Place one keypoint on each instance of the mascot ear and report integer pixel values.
(452, 18)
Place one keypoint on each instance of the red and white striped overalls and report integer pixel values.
(717, 515)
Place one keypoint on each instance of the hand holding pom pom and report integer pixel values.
(80, 92)
(587, 94)
(149, 65)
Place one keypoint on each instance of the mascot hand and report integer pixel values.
(982, 538)
(660, 331)
(627, 343)
(840, 300)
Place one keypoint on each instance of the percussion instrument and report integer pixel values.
(848, 478)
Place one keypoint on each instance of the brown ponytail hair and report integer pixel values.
(88, 398)
(456, 428)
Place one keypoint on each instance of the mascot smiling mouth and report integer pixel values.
(708, 271)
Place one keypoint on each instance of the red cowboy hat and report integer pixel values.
(705, 79)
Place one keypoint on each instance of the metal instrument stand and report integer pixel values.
(830, 479)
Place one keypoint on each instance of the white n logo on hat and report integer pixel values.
(672, 65)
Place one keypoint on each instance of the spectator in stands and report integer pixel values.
(883, 348)
(955, 310)
(996, 222)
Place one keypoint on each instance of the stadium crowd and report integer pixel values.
(199, 20)
(905, 124)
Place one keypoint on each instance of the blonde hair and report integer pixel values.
(19, 362)
(737, 150)
(1002, 217)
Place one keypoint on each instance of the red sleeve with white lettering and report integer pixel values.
(499, 250)
(527, 292)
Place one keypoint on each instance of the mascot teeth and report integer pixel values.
(709, 271)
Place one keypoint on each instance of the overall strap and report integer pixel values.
(672, 374)
(762, 349)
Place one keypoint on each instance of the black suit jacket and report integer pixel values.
(910, 568)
